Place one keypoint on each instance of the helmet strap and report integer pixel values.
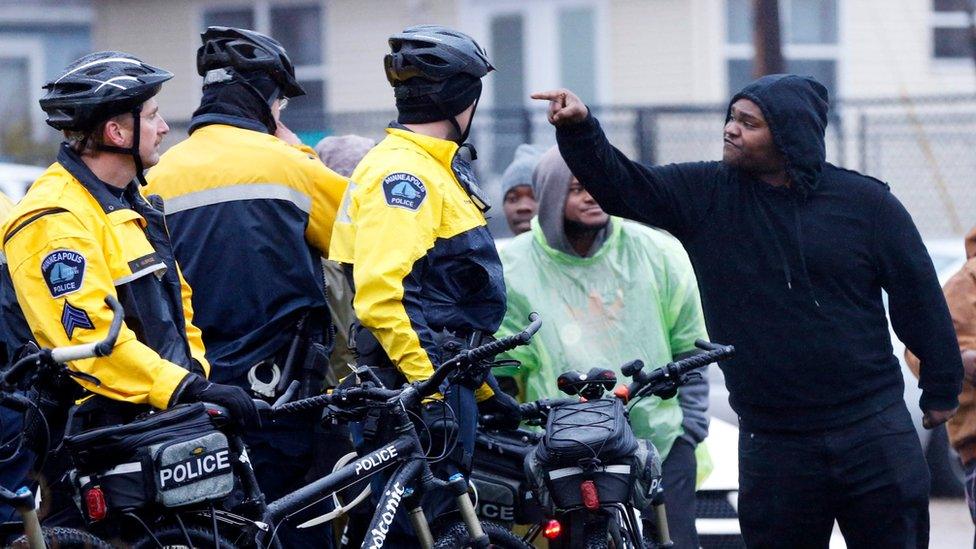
(132, 151)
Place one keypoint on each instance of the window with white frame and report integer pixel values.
(951, 37)
(541, 44)
(809, 33)
(299, 28)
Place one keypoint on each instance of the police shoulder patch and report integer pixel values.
(72, 317)
(63, 271)
(403, 190)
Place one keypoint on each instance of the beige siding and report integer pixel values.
(664, 51)
(357, 42)
(164, 34)
(888, 52)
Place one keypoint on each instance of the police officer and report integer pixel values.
(424, 267)
(250, 210)
(85, 231)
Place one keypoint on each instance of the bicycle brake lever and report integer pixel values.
(506, 363)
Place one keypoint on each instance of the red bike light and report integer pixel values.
(591, 498)
(95, 504)
(552, 529)
(622, 392)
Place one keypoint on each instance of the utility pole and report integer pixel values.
(766, 38)
(971, 12)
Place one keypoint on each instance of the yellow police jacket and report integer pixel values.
(68, 244)
(423, 259)
(250, 217)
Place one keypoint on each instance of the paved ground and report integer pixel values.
(951, 527)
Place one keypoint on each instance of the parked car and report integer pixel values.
(15, 179)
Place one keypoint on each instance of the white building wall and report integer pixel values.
(356, 42)
(886, 51)
(666, 51)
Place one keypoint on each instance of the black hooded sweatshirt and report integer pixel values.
(792, 276)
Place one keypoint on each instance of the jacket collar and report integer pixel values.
(71, 162)
(441, 149)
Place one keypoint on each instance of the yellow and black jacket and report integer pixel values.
(250, 217)
(423, 259)
(69, 243)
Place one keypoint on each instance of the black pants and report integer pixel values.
(282, 454)
(870, 477)
(679, 471)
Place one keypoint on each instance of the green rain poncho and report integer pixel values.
(635, 297)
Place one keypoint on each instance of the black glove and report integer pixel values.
(236, 400)
(503, 409)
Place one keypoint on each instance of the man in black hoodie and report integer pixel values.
(792, 255)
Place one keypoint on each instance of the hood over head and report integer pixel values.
(342, 153)
(550, 181)
(971, 243)
(795, 107)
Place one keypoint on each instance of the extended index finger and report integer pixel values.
(551, 95)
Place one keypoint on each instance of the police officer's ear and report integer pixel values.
(117, 131)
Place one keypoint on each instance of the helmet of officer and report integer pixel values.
(97, 87)
(435, 72)
(247, 52)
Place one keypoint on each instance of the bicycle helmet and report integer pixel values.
(246, 51)
(436, 74)
(434, 53)
(97, 87)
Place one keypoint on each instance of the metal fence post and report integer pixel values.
(526, 125)
(862, 141)
(645, 135)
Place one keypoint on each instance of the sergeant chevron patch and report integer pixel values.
(72, 317)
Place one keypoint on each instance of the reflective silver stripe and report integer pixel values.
(99, 62)
(570, 471)
(3, 258)
(140, 273)
(346, 199)
(121, 469)
(269, 191)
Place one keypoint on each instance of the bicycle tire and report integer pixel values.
(66, 538)
(171, 537)
(455, 535)
(596, 538)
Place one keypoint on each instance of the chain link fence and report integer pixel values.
(925, 148)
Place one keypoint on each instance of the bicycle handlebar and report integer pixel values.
(61, 355)
(674, 370)
(420, 389)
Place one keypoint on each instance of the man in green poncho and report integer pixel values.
(610, 291)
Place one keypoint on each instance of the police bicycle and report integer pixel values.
(45, 364)
(181, 477)
(586, 474)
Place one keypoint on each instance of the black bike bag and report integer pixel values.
(592, 430)
(171, 458)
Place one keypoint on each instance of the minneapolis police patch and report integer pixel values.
(403, 190)
(63, 271)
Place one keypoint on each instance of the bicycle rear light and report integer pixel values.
(591, 498)
(95, 504)
(553, 529)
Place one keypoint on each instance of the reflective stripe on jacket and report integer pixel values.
(250, 216)
(423, 259)
(68, 244)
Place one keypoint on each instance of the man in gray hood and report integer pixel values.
(614, 291)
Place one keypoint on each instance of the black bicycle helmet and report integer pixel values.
(434, 53)
(97, 87)
(247, 51)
